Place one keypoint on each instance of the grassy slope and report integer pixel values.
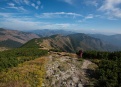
(45, 70)
(22, 67)
(34, 43)
(27, 74)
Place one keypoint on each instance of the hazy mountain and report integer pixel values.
(70, 43)
(48, 32)
(111, 39)
(14, 38)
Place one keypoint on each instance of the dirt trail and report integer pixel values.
(85, 64)
(62, 70)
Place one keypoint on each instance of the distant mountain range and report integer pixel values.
(60, 40)
(14, 38)
(111, 39)
(71, 43)
(48, 32)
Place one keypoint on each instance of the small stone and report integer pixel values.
(80, 85)
(75, 79)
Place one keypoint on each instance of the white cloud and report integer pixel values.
(29, 24)
(11, 4)
(26, 2)
(18, 1)
(92, 2)
(5, 14)
(20, 24)
(21, 8)
(33, 4)
(59, 15)
(37, 7)
(11, 21)
(67, 1)
(80, 21)
(38, 2)
(90, 16)
(112, 18)
(18, 8)
(2, 8)
(111, 8)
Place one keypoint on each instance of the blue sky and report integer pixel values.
(88, 16)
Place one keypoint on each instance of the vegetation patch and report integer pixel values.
(10, 44)
(34, 43)
(108, 72)
(22, 67)
(28, 74)
(11, 58)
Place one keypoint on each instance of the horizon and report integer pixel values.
(107, 34)
(83, 16)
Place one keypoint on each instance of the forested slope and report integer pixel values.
(108, 73)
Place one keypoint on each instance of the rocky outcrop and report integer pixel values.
(64, 70)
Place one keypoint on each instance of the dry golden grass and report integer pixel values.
(3, 48)
(28, 74)
(73, 55)
(92, 66)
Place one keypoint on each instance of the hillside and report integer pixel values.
(14, 38)
(71, 43)
(112, 39)
(29, 66)
(26, 68)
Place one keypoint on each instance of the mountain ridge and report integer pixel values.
(73, 43)
(14, 38)
(111, 39)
